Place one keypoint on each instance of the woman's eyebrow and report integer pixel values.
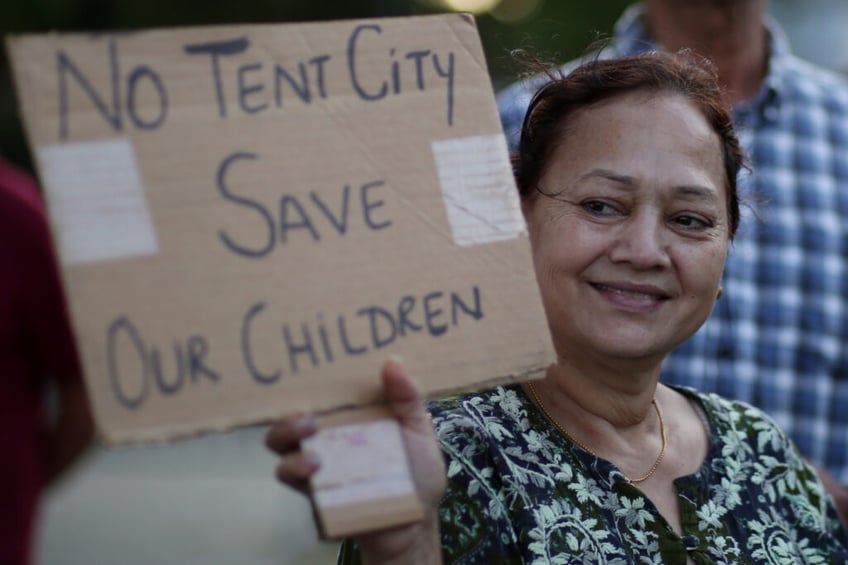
(628, 181)
(609, 175)
(696, 191)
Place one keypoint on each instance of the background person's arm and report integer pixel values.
(45, 329)
(71, 432)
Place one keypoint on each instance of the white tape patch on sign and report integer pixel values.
(478, 190)
(360, 462)
(97, 201)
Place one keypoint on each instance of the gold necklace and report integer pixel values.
(585, 448)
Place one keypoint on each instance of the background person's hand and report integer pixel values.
(415, 543)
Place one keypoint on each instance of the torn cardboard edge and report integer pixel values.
(168, 434)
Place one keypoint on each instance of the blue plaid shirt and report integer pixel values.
(778, 337)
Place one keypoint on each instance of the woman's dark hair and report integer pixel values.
(598, 80)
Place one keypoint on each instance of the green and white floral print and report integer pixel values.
(520, 492)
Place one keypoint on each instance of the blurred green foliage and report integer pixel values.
(558, 31)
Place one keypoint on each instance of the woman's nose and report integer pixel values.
(642, 241)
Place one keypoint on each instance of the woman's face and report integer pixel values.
(629, 252)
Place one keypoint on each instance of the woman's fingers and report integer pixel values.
(406, 402)
(285, 435)
(296, 466)
(295, 470)
(402, 393)
(428, 472)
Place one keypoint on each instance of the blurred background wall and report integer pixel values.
(213, 500)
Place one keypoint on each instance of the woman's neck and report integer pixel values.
(616, 420)
(620, 395)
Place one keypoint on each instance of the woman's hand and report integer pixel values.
(414, 543)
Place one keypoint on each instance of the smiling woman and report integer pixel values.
(627, 171)
(628, 225)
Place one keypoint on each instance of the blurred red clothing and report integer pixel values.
(36, 345)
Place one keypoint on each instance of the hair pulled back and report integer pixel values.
(599, 80)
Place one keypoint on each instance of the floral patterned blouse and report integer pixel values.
(520, 492)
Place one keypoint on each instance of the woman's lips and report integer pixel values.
(633, 296)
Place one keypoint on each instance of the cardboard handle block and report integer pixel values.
(365, 481)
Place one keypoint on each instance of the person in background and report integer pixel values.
(778, 338)
(627, 172)
(38, 363)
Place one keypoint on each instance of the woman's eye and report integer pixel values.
(598, 207)
(692, 222)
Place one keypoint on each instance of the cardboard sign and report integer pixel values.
(250, 219)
